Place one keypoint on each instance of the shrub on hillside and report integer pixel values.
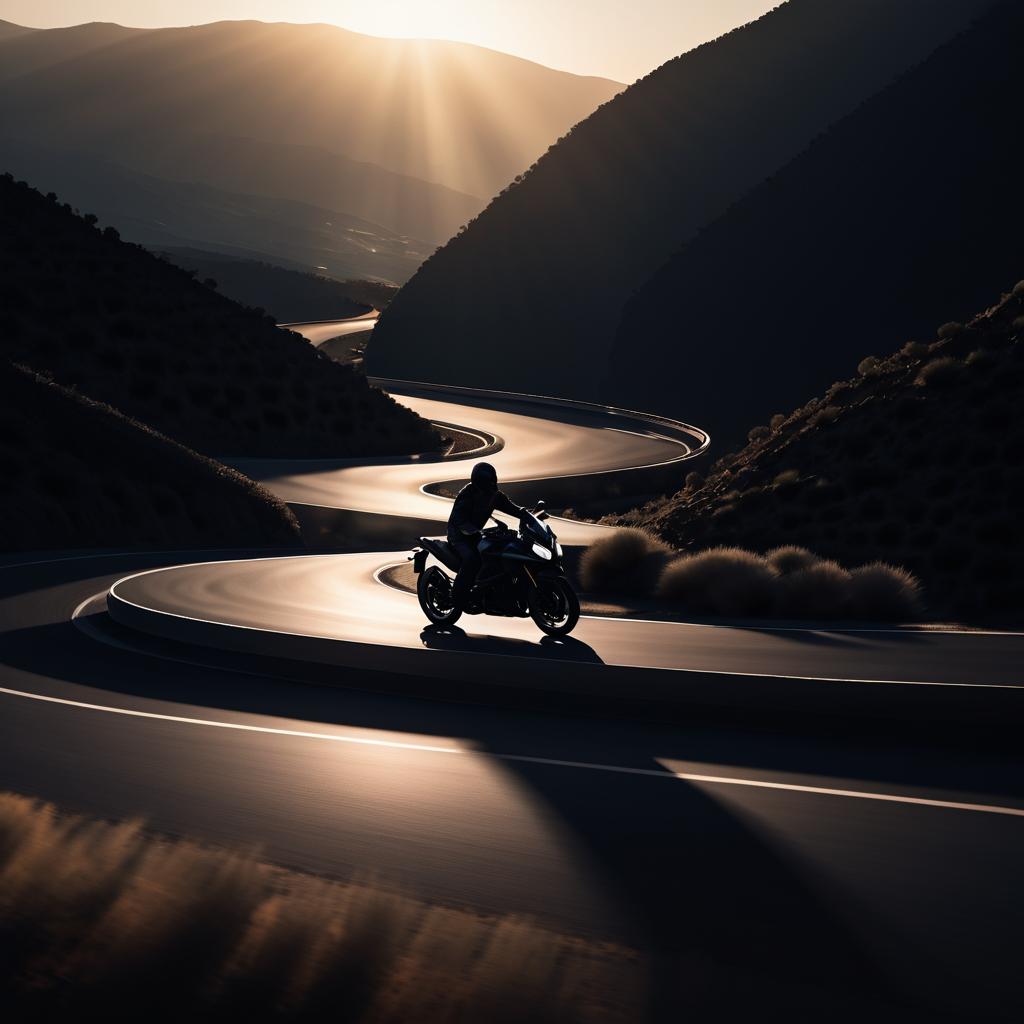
(721, 581)
(791, 558)
(884, 592)
(627, 561)
(819, 591)
(940, 373)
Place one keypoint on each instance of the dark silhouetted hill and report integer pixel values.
(160, 214)
(78, 474)
(138, 333)
(906, 211)
(289, 296)
(307, 112)
(547, 267)
(918, 461)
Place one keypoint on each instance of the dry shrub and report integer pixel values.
(628, 561)
(791, 558)
(103, 920)
(721, 581)
(882, 592)
(820, 591)
(940, 373)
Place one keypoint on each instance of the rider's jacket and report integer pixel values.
(472, 507)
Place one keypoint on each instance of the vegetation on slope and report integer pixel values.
(916, 461)
(907, 211)
(137, 333)
(79, 474)
(545, 270)
(107, 920)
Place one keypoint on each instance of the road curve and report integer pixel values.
(335, 609)
(782, 867)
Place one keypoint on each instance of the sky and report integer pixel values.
(618, 39)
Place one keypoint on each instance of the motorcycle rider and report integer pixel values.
(473, 505)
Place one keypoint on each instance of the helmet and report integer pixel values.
(484, 476)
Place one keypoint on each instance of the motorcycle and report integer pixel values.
(530, 580)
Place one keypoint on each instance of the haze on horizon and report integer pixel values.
(610, 38)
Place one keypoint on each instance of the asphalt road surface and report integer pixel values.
(821, 868)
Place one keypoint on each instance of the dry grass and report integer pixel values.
(819, 591)
(628, 561)
(721, 581)
(881, 591)
(791, 557)
(100, 918)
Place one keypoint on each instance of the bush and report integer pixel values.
(721, 581)
(777, 420)
(1018, 290)
(627, 561)
(787, 479)
(758, 434)
(950, 330)
(940, 373)
(980, 359)
(820, 591)
(867, 366)
(791, 558)
(693, 480)
(915, 350)
(882, 592)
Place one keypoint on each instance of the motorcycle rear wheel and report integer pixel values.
(554, 606)
(434, 590)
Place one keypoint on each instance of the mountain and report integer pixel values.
(161, 214)
(861, 473)
(78, 474)
(545, 270)
(452, 114)
(289, 296)
(907, 209)
(125, 328)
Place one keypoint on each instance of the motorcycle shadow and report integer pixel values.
(560, 648)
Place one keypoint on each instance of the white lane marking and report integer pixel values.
(667, 773)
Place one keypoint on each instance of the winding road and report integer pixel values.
(280, 701)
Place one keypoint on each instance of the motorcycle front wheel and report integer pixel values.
(434, 589)
(554, 606)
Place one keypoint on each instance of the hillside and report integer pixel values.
(128, 329)
(907, 210)
(312, 99)
(78, 474)
(289, 296)
(159, 213)
(547, 267)
(917, 461)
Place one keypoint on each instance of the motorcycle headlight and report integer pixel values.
(541, 552)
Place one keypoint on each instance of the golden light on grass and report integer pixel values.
(103, 916)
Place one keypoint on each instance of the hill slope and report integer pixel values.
(159, 213)
(79, 474)
(451, 113)
(547, 267)
(907, 210)
(135, 332)
(918, 461)
(289, 296)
